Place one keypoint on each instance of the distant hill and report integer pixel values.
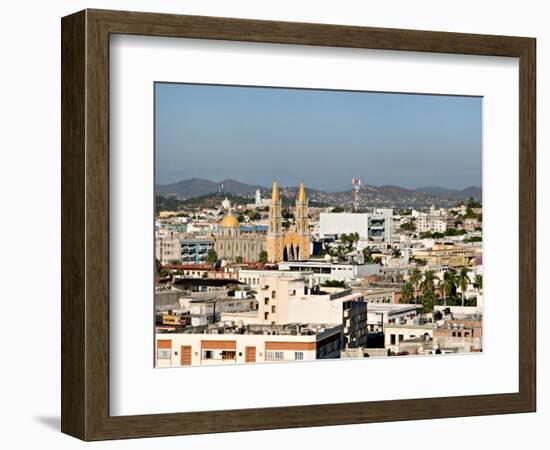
(389, 196)
(464, 194)
(197, 187)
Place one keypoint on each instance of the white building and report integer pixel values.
(375, 226)
(434, 224)
(328, 271)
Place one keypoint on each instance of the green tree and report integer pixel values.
(211, 256)
(367, 253)
(463, 281)
(415, 279)
(449, 284)
(429, 300)
(239, 259)
(407, 293)
(263, 257)
(428, 283)
(478, 282)
(409, 226)
(354, 238)
(396, 253)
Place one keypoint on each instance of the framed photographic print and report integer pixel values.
(273, 225)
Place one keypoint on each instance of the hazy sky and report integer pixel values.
(324, 138)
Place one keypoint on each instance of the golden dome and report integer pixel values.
(229, 221)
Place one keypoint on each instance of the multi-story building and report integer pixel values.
(167, 248)
(195, 251)
(434, 223)
(283, 300)
(448, 254)
(175, 248)
(375, 226)
(215, 345)
(328, 271)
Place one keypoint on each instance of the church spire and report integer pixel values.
(275, 192)
(302, 193)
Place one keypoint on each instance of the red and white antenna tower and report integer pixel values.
(356, 186)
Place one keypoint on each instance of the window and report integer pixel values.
(274, 356)
(266, 316)
(400, 338)
(273, 294)
(454, 333)
(266, 301)
(228, 354)
(466, 334)
(299, 356)
(273, 309)
(164, 353)
(459, 334)
(392, 339)
(207, 354)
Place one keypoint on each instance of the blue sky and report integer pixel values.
(324, 138)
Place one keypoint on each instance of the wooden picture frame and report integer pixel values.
(85, 224)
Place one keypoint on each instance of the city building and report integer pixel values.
(329, 271)
(434, 223)
(167, 248)
(283, 300)
(232, 242)
(375, 226)
(195, 251)
(399, 331)
(248, 344)
(448, 254)
(293, 244)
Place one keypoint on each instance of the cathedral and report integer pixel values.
(231, 242)
(294, 244)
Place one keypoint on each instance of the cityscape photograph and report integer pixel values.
(300, 224)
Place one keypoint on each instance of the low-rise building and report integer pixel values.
(248, 344)
(330, 271)
(397, 332)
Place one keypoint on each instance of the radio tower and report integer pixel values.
(356, 186)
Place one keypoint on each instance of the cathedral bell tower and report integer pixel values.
(275, 227)
(302, 223)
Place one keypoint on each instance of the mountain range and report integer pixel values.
(380, 196)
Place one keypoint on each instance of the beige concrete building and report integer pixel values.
(448, 254)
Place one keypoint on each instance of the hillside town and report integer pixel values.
(268, 278)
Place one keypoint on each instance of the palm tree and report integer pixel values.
(449, 284)
(396, 253)
(478, 282)
(463, 281)
(428, 284)
(367, 253)
(415, 278)
(406, 293)
(344, 239)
